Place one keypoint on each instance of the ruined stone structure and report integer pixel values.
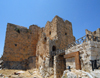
(88, 56)
(20, 46)
(28, 48)
(50, 49)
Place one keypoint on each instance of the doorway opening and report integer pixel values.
(53, 48)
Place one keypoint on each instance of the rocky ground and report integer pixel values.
(81, 74)
(33, 73)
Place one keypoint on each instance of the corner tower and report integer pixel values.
(61, 31)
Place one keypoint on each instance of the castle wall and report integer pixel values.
(51, 29)
(16, 43)
(60, 32)
(42, 50)
(88, 51)
(20, 45)
(30, 47)
(94, 33)
(44, 45)
(33, 39)
(65, 33)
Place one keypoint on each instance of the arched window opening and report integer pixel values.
(54, 48)
(50, 33)
(45, 38)
(65, 33)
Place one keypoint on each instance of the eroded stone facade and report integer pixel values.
(89, 57)
(45, 48)
(29, 48)
(20, 45)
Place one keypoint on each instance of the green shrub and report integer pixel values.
(18, 30)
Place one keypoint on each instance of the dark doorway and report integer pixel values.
(45, 38)
(54, 48)
(50, 33)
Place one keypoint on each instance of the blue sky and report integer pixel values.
(84, 14)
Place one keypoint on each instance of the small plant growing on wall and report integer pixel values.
(27, 30)
(18, 30)
(30, 31)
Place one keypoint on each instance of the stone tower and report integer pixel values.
(28, 48)
(20, 45)
(56, 35)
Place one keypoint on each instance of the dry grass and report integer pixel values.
(27, 74)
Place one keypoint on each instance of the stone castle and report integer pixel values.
(45, 48)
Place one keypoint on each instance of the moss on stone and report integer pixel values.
(17, 30)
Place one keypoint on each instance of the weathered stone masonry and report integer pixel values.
(56, 35)
(45, 48)
(29, 48)
(20, 45)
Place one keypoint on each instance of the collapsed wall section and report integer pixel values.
(94, 33)
(88, 51)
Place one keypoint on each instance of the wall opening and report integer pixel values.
(54, 48)
(65, 33)
(50, 33)
(18, 30)
(77, 59)
(15, 44)
(45, 38)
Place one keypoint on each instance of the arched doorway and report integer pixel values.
(53, 48)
